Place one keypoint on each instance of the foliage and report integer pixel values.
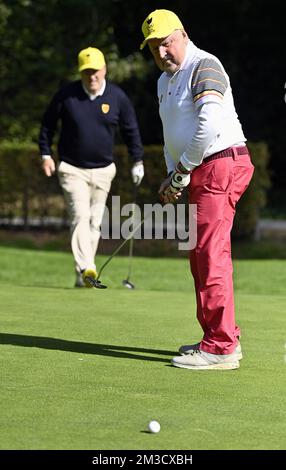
(39, 52)
(25, 191)
(39, 42)
(254, 198)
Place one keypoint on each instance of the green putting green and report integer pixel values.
(89, 368)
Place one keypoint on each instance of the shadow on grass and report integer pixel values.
(84, 348)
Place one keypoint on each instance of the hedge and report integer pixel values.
(26, 192)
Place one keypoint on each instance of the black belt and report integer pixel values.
(227, 153)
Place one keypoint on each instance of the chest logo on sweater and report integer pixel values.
(105, 108)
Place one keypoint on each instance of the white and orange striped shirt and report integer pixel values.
(197, 110)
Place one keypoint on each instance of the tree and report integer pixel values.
(39, 45)
(39, 42)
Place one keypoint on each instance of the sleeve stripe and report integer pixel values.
(210, 80)
(208, 77)
(210, 68)
(205, 93)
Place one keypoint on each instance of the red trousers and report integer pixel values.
(216, 187)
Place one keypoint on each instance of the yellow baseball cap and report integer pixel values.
(90, 58)
(160, 24)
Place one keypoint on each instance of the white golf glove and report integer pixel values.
(137, 172)
(180, 179)
(171, 189)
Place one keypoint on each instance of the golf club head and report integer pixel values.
(95, 282)
(128, 284)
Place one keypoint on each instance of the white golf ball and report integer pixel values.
(154, 426)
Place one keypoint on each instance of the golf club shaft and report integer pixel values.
(122, 244)
(130, 257)
(131, 244)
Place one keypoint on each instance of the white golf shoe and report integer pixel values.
(187, 349)
(201, 360)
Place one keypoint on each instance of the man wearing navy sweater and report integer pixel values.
(89, 110)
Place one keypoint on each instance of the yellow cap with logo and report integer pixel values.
(160, 24)
(90, 58)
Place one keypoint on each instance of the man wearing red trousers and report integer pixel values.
(205, 150)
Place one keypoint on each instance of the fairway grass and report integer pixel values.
(88, 369)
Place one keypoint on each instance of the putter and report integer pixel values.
(126, 282)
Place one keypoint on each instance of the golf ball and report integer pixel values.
(154, 426)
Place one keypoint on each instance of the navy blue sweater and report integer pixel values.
(88, 126)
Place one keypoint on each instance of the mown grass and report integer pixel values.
(88, 369)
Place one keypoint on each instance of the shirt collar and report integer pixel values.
(190, 53)
(99, 93)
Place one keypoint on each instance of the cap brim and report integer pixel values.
(92, 66)
(164, 34)
(151, 36)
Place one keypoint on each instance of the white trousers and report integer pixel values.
(85, 192)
